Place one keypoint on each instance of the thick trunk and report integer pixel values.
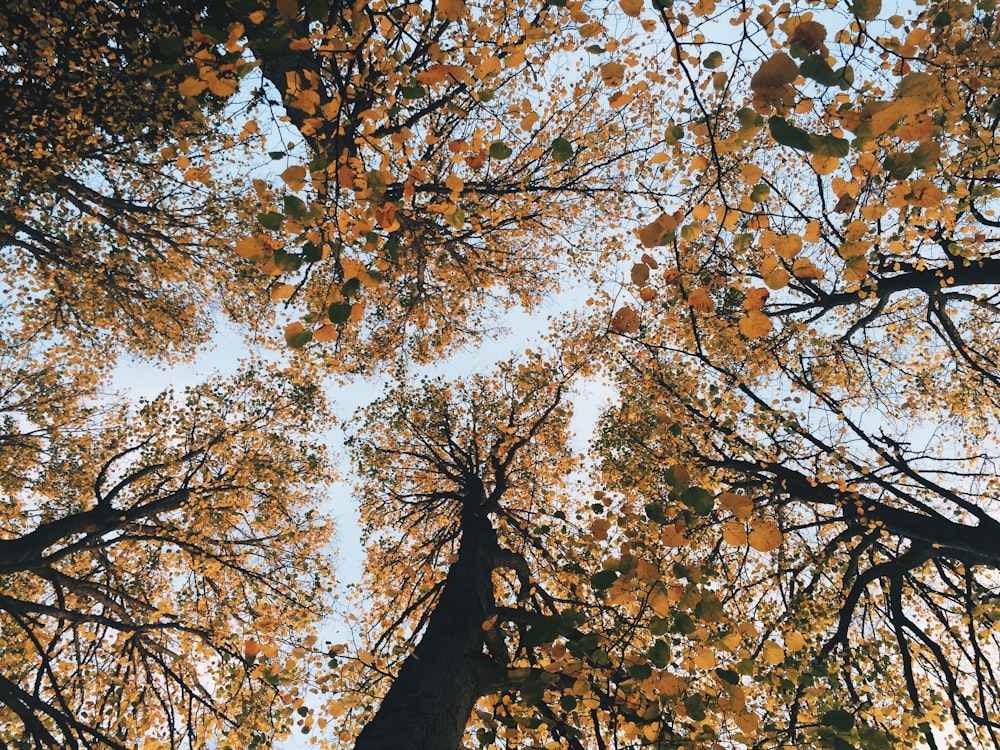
(430, 701)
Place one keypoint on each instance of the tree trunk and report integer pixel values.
(429, 703)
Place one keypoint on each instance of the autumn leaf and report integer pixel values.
(764, 536)
(773, 273)
(755, 324)
(654, 233)
(701, 301)
(451, 10)
(294, 177)
(612, 74)
(625, 320)
(631, 8)
(805, 269)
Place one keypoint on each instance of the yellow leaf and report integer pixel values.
(755, 324)
(700, 301)
(805, 269)
(612, 74)
(705, 658)
(755, 299)
(436, 74)
(455, 184)
(672, 535)
(659, 601)
(740, 506)
(647, 294)
(669, 684)
(773, 273)
(294, 177)
(778, 70)
(773, 653)
(451, 10)
(191, 86)
(751, 173)
(653, 233)
(922, 192)
(765, 536)
(788, 246)
(599, 528)
(253, 249)
(279, 291)
(700, 212)
(631, 7)
(856, 268)
(325, 333)
(619, 100)
(490, 622)
(625, 320)
(794, 641)
(734, 534)
(222, 86)
(639, 274)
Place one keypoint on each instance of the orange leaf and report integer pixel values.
(294, 177)
(805, 269)
(625, 320)
(755, 324)
(765, 536)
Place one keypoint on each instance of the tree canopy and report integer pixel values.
(769, 231)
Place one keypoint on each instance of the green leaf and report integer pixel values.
(318, 10)
(351, 287)
(567, 702)
(728, 675)
(295, 206)
(713, 61)
(413, 91)
(170, 46)
(748, 118)
(699, 500)
(831, 145)
(683, 623)
(659, 625)
(339, 313)
(818, 69)
(603, 580)
(659, 653)
(484, 95)
(287, 262)
(500, 150)
(790, 135)
(311, 252)
(271, 220)
(695, 706)
(299, 339)
(654, 512)
(839, 719)
(562, 150)
(760, 192)
(275, 155)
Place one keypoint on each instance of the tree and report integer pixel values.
(822, 351)
(149, 553)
